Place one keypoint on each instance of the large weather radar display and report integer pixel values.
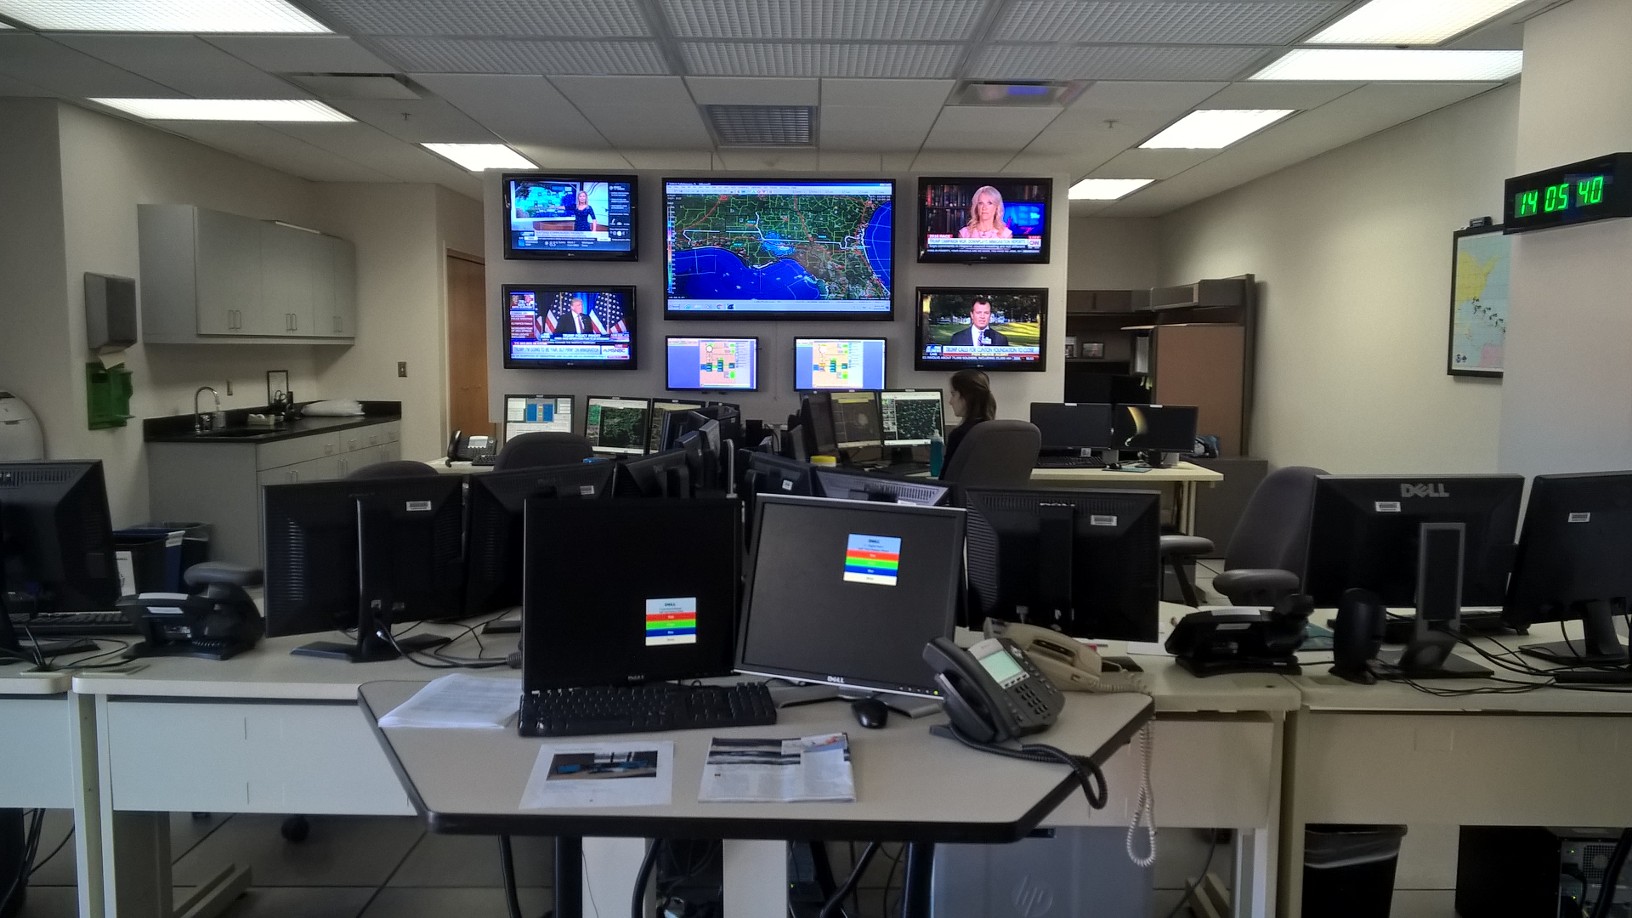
(779, 249)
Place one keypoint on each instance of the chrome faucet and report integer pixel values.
(202, 421)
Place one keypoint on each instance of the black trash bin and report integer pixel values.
(1348, 870)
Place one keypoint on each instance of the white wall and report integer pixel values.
(775, 399)
(1352, 251)
(1565, 405)
(1113, 253)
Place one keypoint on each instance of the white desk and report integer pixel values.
(1183, 478)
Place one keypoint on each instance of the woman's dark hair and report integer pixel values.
(976, 389)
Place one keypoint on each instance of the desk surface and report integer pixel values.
(909, 785)
(22, 679)
(1184, 471)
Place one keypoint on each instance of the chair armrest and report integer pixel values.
(1249, 586)
(1185, 546)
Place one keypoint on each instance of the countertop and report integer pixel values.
(179, 428)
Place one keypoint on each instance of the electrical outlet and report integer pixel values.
(402, 368)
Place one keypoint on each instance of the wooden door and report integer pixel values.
(467, 345)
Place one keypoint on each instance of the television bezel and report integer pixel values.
(970, 258)
(511, 362)
(668, 381)
(920, 314)
(513, 254)
(862, 338)
(780, 315)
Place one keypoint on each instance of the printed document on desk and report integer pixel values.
(458, 700)
(800, 769)
(625, 773)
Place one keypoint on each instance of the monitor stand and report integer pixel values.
(1599, 644)
(1439, 607)
(1426, 660)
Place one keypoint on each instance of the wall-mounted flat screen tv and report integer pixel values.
(578, 327)
(838, 363)
(778, 248)
(990, 219)
(713, 364)
(570, 216)
(995, 328)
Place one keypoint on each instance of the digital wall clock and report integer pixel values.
(1592, 189)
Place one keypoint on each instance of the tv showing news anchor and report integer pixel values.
(972, 220)
(995, 328)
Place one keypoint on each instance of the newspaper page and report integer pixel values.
(628, 773)
(800, 769)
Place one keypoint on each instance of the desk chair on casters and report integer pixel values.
(995, 454)
(531, 450)
(1265, 557)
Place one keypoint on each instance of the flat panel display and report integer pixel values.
(995, 328)
(838, 363)
(984, 219)
(713, 364)
(569, 216)
(578, 327)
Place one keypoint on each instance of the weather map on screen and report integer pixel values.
(779, 249)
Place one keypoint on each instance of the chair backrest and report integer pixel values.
(995, 454)
(394, 468)
(530, 450)
(1273, 531)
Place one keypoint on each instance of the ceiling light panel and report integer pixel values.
(208, 16)
(489, 19)
(1104, 189)
(226, 109)
(1213, 129)
(762, 59)
(472, 55)
(1410, 22)
(1385, 64)
(1086, 62)
(479, 156)
(1166, 22)
(844, 20)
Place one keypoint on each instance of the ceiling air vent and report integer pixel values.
(762, 125)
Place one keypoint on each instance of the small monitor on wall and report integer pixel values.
(555, 215)
(838, 363)
(713, 364)
(986, 219)
(551, 327)
(525, 414)
(994, 328)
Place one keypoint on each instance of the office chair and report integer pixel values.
(1265, 557)
(995, 454)
(530, 450)
(393, 468)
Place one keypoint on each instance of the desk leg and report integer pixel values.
(569, 877)
(87, 804)
(915, 883)
(1187, 507)
(755, 875)
(610, 868)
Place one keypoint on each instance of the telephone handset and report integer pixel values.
(993, 691)
(1068, 663)
(468, 449)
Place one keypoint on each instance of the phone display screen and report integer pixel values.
(1001, 666)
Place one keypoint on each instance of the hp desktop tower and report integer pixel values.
(1534, 870)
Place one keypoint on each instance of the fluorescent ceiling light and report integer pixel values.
(226, 109)
(479, 156)
(1378, 64)
(1214, 129)
(161, 16)
(1106, 189)
(1410, 22)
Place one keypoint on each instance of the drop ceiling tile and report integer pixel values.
(899, 94)
(1039, 164)
(841, 20)
(954, 162)
(473, 55)
(1266, 95)
(416, 121)
(1153, 164)
(749, 160)
(1088, 62)
(764, 59)
(639, 113)
(896, 162)
(400, 160)
(11, 87)
(988, 127)
(672, 160)
(490, 18)
(850, 128)
(555, 157)
(61, 70)
(754, 91)
(186, 64)
(1167, 22)
(1142, 96)
(519, 109)
(262, 144)
(859, 163)
(591, 93)
(353, 85)
(301, 53)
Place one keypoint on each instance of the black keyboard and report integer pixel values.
(1070, 462)
(658, 706)
(484, 460)
(73, 624)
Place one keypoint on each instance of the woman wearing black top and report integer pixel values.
(971, 400)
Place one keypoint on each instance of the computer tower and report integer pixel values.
(1534, 870)
(1080, 872)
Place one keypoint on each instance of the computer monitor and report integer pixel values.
(857, 423)
(847, 593)
(524, 414)
(493, 555)
(617, 425)
(922, 492)
(662, 410)
(910, 417)
(838, 363)
(712, 364)
(1081, 560)
(56, 538)
(363, 554)
(1572, 562)
(606, 603)
(1073, 426)
(816, 425)
(1160, 431)
(665, 474)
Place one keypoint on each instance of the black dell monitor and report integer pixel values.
(1073, 427)
(1162, 432)
(847, 485)
(665, 474)
(493, 553)
(364, 554)
(846, 593)
(1084, 561)
(56, 538)
(1574, 561)
(816, 425)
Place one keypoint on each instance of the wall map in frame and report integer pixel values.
(1480, 262)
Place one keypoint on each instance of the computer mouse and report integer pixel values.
(870, 712)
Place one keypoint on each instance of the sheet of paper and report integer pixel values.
(628, 773)
(459, 700)
(799, 769)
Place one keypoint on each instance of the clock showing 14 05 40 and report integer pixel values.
(1592, 189)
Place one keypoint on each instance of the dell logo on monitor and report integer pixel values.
(1431, 489)
(838, 679)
